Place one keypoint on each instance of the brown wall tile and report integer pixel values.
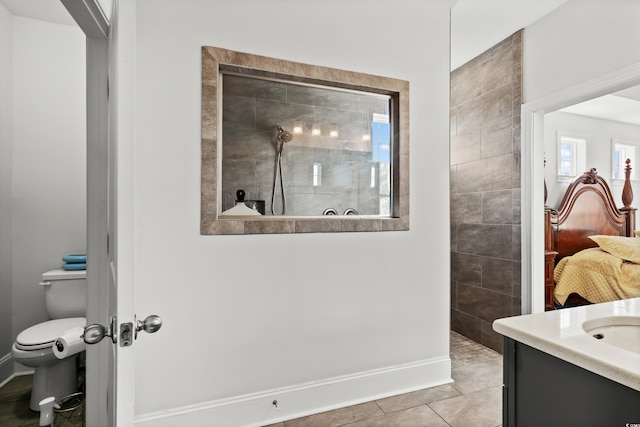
(486, 97)
(466, 325)
(486, 240)
(482, 303)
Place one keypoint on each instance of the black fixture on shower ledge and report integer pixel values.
(282, 137)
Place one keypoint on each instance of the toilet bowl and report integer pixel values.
(34, 348)
(65, 295)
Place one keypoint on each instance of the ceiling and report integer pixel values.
(476, 25)
(623, 106)
(45, 10)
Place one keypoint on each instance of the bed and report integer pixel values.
(586, 210)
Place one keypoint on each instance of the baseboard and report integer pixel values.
(6, 369)
(258, 409)
(9, 369)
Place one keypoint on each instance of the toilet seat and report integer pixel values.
(43, 335)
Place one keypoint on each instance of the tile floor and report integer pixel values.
(473, 399)
(14, 403)
(14, 406)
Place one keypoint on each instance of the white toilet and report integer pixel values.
(66, 303)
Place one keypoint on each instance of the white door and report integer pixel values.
(110, 362)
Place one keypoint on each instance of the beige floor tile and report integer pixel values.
(464, 351)
(414, 417)
(478, 376)
(478, 409)
(416, 398)
(338, 417)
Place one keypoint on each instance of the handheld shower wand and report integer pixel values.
(282, 136)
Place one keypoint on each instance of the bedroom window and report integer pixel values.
(572, 156)
(621, 151)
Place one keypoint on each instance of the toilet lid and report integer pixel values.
(44, 334)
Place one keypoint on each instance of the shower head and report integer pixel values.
(283, 135)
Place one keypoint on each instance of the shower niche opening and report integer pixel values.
(301, 140)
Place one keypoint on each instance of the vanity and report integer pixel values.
(573, 367)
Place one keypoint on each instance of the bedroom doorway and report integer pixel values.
(533, 173)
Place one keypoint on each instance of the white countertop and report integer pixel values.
(560, 334)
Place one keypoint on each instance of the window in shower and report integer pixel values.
(302, 139)
(317, 174)
(381, 155)
(281, 130)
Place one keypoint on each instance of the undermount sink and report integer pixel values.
(619, 331)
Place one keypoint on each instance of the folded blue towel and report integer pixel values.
(75, 266)
(75, 258)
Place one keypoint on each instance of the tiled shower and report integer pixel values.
(486, 97)
(338, 157)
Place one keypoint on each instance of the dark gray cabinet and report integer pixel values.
(541, 390)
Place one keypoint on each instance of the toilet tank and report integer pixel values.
(65, 293)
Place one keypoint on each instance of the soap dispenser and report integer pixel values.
(240, 208)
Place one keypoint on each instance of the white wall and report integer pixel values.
(6, 334)
(579, 41)
(249, 314)
(48, 158)
(598, 134)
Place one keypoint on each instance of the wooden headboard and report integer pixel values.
(586, 209)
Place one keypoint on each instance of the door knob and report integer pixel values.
(150, 324)
(94, 333)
